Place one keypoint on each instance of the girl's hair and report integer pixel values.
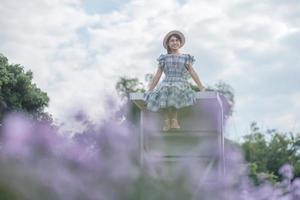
(175, 35)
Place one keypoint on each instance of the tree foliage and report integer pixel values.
(127, 85)
(18, 92)
(268, 151)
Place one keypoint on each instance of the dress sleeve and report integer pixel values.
(190, 60)
(161, 61)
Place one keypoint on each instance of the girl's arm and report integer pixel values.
(196, 78)
(155, 79)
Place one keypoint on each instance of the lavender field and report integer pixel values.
(101, 163)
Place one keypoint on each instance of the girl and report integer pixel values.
(174, 91)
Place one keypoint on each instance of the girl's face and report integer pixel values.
(174, 43)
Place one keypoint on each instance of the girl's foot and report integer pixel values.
(167, 125)
(175, 124)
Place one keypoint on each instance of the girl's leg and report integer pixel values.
(174, 122)
(166, 119)
(173, 113)
(165, 112)
(170, 112)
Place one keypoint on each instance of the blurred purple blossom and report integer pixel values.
(102, 162)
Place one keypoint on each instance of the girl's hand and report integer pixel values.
(150, 88)
(202, 89)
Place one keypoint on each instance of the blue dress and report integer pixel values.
(174, 89)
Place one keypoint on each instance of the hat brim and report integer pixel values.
(171, 33)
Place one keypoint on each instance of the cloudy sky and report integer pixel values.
(78, 49)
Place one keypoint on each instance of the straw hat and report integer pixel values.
(174, 32)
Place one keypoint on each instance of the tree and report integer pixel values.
(227, 96)
(124, 87)
(271, 150)
(19, 93)
(127, 85)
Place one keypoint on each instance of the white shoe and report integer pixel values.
(175, 124)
